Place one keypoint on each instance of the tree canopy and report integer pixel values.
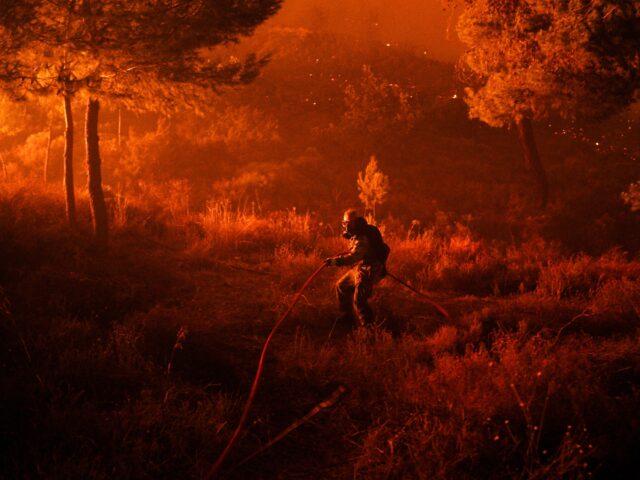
(146, 53)
(535, 58)
(137, 49)
(531, 59)
(15, 17)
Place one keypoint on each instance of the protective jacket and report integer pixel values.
(366, 245)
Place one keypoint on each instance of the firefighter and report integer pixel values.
(367, 254)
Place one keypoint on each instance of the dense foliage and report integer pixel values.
(537, 58)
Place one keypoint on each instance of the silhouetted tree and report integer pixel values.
(530, 59)
(378, 105)
(147, 53)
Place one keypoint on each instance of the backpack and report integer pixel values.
(379, 250)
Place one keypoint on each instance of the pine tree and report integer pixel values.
(373, 186)
(530, 59)
(143, 53)
(15, 19)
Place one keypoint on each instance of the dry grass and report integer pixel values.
(537, 377)
(226, 228)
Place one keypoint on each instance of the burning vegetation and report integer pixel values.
(143, 268)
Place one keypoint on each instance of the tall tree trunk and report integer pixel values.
(94, 174)
(48, 152)
(532, 160)
(119, 129)
(4, 166)
(68, 162)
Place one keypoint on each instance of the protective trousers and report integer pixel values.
(354, 290)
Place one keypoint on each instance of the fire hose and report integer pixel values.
(213, 472)
(438, 306)
(254, 387)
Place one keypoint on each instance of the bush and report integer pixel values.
(582, 274)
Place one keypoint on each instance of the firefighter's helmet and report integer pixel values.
(349, 215)
(350, 223)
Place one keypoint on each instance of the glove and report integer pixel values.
(331, 262)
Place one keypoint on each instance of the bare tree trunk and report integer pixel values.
(94, 174)
(48, 152)
(4, 167)
(119, 129)
(532, 160)
(68, 162)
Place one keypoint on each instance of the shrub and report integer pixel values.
(618, 296)
(373, 186)
(582, 274)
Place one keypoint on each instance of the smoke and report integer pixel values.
(421, 24)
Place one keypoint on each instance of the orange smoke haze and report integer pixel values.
(180, 297)
(423, 24)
